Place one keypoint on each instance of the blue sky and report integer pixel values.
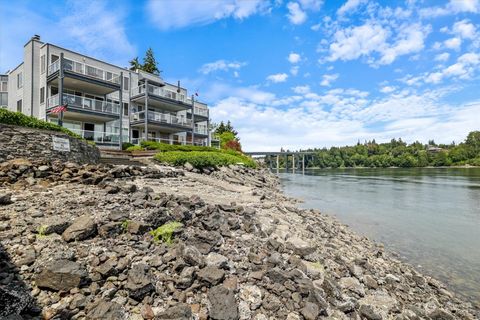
(292, 74)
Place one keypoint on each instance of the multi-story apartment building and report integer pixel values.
(103, 100)
(3, 91)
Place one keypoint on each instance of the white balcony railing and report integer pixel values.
(85, 69)
(160, 92)
(98, 136)
(137, 141)
(161, 117)
(53, 67)
(199, 108)
(84, 103)
(201, 129)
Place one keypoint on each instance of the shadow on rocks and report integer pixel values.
(16, 302)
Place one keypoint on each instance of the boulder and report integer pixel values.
(137, 227)
(5, 199)
(13, 302)
(106, 310)
(211, 275)
(82, 228)
(139, 283)
(61, 275)
(352, 284)
(222, 304)
(217, 260)
(192, 256)
(188, 166)
(376, 306)
(299, 246)
(310, 311)
(181, 311)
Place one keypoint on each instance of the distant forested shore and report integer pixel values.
(397, 153)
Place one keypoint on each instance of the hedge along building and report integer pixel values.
(103, 100)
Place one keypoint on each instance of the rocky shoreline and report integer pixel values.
(75, 244)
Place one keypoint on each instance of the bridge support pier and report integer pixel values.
(278, 163)
(303, 164)
(293, 163)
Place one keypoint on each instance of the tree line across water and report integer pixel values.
(397, 153)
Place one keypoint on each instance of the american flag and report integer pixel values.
(59, 109)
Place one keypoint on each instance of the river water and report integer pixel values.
(429, 216)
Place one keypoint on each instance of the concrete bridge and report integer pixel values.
(298, 158)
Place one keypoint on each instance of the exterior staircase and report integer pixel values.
(118, 157)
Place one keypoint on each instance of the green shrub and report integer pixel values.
(126, 145)
(474, 162)
(134, 148)
(200, 159)
(165, 232)
(19, 119)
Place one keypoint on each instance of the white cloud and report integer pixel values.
(466, 65)
(327, 79)
(295, 14)
(350, 6)
(453, 43)
(464, 29)
(409, 40)
(453, 7)
(167, 15)
(442, 56)
(221, 65)
(301, 89)
(278, 77)
(387, 89)
(354, 42)
(294, 57)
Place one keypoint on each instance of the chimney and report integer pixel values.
(36, 37)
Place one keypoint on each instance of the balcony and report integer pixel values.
(98, 136)
(161, 118)
(85, 105)
(86, 70)
(201, 130)
(159, 92)
(199, 108)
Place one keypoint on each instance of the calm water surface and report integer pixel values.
(431, 217)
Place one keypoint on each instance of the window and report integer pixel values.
(19, 105)
(4, 87)
(125, 83)
(3, 99)
(42, 95)
(53, 91)
(19, 80)
(125, 109)
(42, 64)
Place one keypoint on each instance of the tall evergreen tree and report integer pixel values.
(150, 63)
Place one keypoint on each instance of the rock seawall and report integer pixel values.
(36, 144)
(74, 249)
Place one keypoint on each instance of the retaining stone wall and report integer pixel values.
(37, 144)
